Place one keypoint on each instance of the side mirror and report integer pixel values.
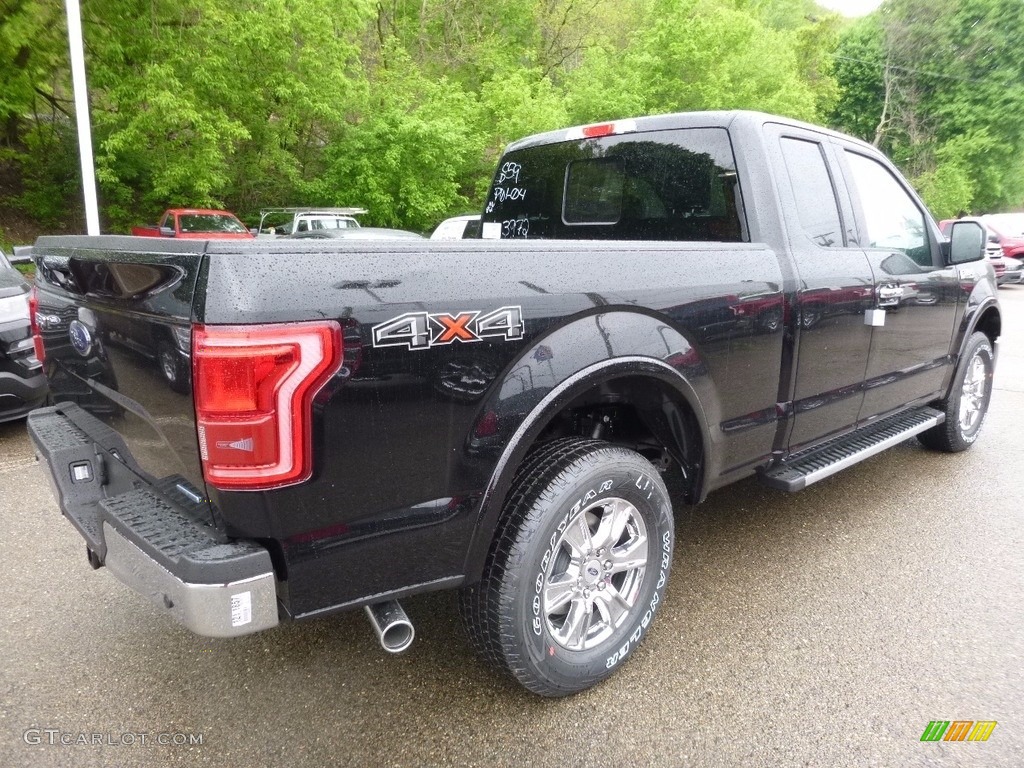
(966, 242)
(166, 231)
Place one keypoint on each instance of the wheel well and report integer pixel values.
(990, 324)
(640, 413)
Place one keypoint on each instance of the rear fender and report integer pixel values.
(534, 391)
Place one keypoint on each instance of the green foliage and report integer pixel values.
(403, 106)
(512, 105)
(703, 54)
(208, 104)
(948, 190)
(31, 40)
(859, 61)
(939, 85)
(706, 54)
(403, 158)
(49, 161)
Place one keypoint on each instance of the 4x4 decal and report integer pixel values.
(421, 330)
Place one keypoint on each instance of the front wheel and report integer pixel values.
(578, 567)
(967, 404)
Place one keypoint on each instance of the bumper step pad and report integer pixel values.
(186, 548)
(817, 463)
(214, 586)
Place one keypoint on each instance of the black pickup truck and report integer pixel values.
(342, 424)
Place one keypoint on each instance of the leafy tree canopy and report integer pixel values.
(403, 107)
(938, 84)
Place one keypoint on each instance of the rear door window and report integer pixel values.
(816, 203)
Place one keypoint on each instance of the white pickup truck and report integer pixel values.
(306, 220)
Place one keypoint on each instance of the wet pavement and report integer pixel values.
(825, 628)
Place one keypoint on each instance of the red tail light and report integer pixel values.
(254, 388)
(37, 337)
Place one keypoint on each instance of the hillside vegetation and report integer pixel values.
(403, 107)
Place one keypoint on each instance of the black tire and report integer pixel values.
(972, 389)
(514, 616)
(172, 367)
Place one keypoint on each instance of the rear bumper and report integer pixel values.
(147, 536)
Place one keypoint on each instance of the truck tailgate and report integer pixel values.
(115, 320)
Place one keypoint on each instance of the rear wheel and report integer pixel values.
(578, 567)
(967, 404)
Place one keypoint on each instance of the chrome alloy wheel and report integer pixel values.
(594, 574)
(972, 396)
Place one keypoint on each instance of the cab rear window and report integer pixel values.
(663, 185)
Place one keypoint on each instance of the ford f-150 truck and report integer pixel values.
(717, 295)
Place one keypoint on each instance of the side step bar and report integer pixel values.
(821, 461)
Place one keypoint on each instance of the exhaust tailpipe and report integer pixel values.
(393, 628)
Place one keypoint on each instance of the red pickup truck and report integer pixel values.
(197, 224)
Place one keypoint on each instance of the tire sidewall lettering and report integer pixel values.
(639, 488)
(634, 639)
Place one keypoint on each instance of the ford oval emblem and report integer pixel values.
(81, 337)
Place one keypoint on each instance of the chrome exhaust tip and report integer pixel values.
(393, 628)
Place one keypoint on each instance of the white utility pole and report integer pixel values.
(92, 214)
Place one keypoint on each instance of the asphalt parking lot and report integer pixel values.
(826, 628)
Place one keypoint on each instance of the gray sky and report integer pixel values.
(851, 7)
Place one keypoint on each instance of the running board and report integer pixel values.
(821, 461)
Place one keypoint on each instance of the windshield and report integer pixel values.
(210, 222)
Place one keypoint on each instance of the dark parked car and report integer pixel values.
(22, 384)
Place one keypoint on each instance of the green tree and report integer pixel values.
(397, 105)
(704, 54)
(31, 50)
(199, 103)
(938, 84)
(403, 157)
(37, 139)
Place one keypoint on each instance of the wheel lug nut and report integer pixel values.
(607, 565)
